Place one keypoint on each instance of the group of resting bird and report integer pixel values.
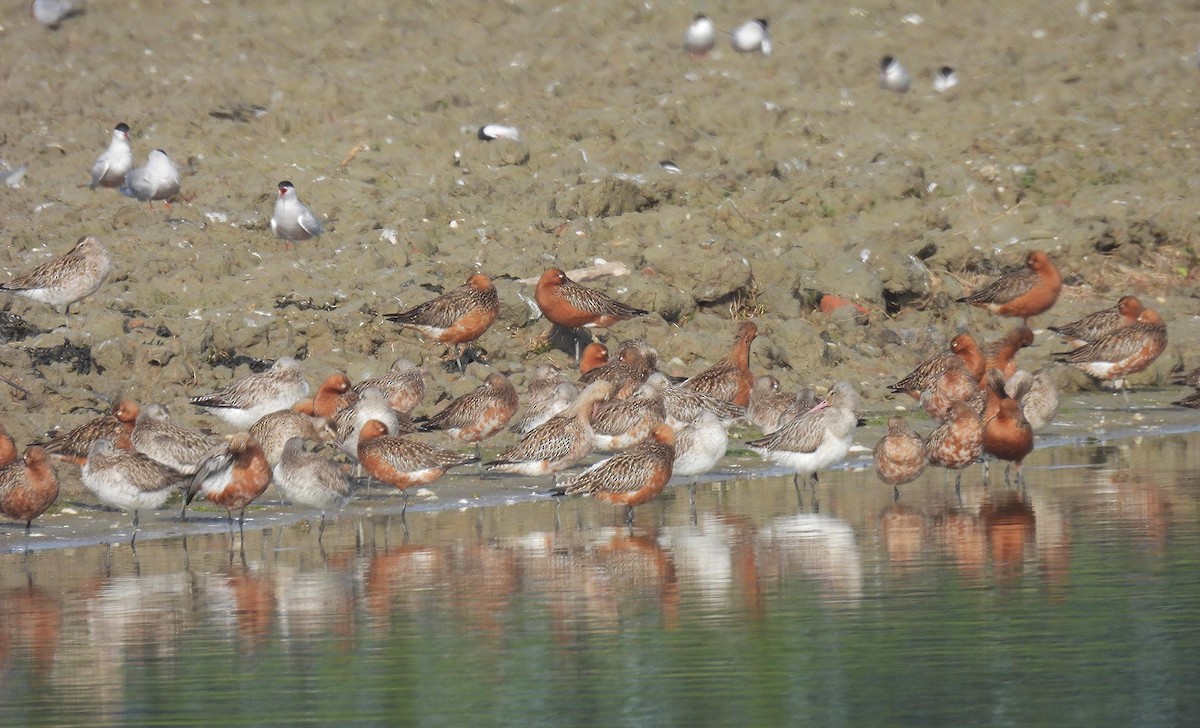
(134, 458)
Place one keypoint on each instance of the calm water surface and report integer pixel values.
(1074, 601)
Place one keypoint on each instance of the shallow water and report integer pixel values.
(1072, 601)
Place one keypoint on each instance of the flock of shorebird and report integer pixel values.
(134, 458)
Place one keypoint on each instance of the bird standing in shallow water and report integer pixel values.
(457, 317)
(770, 407)
(559, 442)
(128, 480)
(899, 456)
(233, 476)
(629, 478)
(816, 439)
(700, 445)
(401, 462)
(310, 479)
(958, 442)
(28, 486)
(1007, 435)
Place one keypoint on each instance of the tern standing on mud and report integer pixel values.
(293, 221)
(158, 180)
(114, 163)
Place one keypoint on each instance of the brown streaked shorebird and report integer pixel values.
(1190, 378)
(629, 478)
(401, 462)
(67, 279)
(28, 486)
(700, 445)
(233, 476)
(635, 361)
(567, 304)
(1021, 293)
(245, 401)
(683, 406)
(478, 414)
(547, 394)
(558, 443)
(1000, 354)
(179, 448)
(128, 480)
(1192, 400)
(116, 427)
(621, 423)
(311, 480)
(1123, 352)
(730, 378)
(816, 439)
(1099, 324)
(770, 407)
(899, 456)
(458, 316)
(955, 385)
(403, 385)
(963, 351)
(371, 405)
(1037, 393)
(958, 442)
(273, 431)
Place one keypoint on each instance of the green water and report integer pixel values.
(1075, 601)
